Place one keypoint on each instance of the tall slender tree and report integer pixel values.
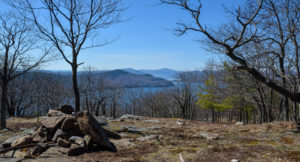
(71, 26)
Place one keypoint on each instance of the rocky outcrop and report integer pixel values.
(60, 133)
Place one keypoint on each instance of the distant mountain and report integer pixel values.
(133, 71)
(164, 73)
(125, 79)
(120, 78)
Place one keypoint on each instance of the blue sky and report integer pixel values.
(147, 42)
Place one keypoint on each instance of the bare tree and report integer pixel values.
(71, 26)
(115, 96)
(93, 90)
(236, 39)
(184, 93)
(16, 43)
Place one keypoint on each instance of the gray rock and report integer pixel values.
(124, 135)
(101, 121)
(132, 117)
(7, 143)
(123, 143)
(68, 124)
(209, 136)
(235, 160)
(146, 138)
(155, 128)
(39, 149)
(74, 138)
(88, 125)
(132, 129)
(28, 131)
(239, 123)
(58, 133)
(54, 152)
(23, 129)
(78, 140)
(15, 154)
(52, 122)
(63, 143)
(75, 150)
(88, 140)
(22, 141)
(9, 159)
(40, 135)
(152, 121)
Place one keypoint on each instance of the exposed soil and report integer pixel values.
(267, 142)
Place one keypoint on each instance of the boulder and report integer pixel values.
(58, 133)
(52, 123)
(63, 143)
(54, 113)
(67, 109)
(78, 140)
(88, 125)
(40, 135)
(68, 124)
(7, 143)
(75, 150)
(22, 141)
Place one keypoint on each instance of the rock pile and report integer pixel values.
(65, 130)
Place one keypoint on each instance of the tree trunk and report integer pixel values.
(287, 108)
(280, 109)
(271, 118)
(296, 112)
(212, 114)
(11, 108)
(103, 107)
(3, 103)
(75, 87)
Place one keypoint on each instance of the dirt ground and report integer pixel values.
(266, 142)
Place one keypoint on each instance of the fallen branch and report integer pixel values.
(17, 147)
